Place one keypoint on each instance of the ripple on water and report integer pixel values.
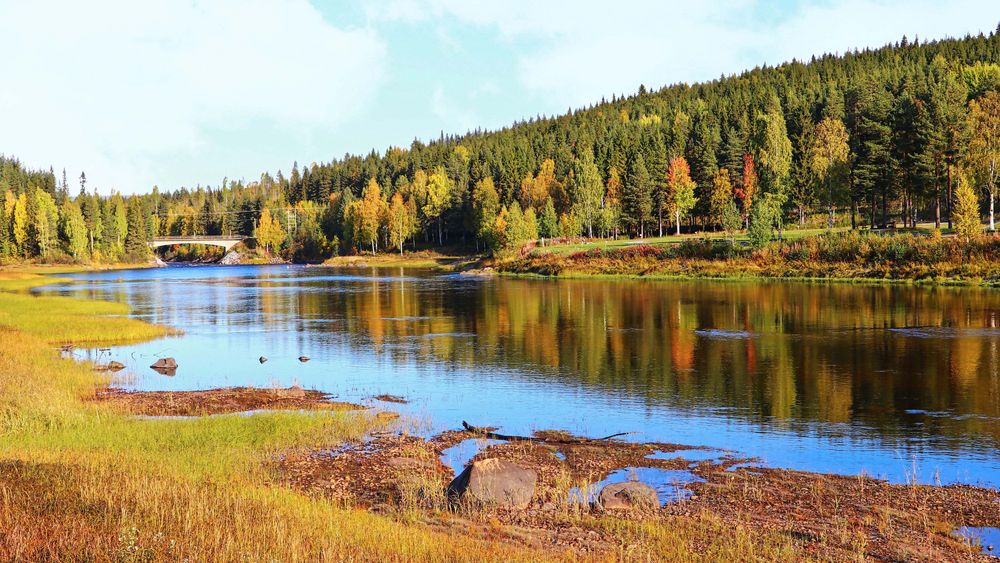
(988, 539)
(669, 484)
(946, 332)
(720, 333)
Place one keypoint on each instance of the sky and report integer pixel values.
(187, 92)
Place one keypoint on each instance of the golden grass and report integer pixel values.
(80, 480)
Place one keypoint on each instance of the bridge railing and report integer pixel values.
(205, 237)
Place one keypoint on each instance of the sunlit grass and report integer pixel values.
(81, 480)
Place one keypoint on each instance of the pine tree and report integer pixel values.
(637, 203)
(136, 236)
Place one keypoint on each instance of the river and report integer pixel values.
(899, 382)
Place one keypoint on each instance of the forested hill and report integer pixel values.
(858, 139)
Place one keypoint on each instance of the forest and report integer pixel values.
(869, 139)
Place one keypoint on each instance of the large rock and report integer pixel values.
(165, 366)
(629, 494)
(494, 482)
(164, 363)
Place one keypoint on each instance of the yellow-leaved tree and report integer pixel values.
(269, 231)
(968, 223)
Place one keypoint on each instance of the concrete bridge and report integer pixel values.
(226, 242)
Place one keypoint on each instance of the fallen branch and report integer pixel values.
(510, 438)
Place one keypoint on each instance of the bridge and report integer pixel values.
(227, 242)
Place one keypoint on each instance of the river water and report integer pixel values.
(897, 382)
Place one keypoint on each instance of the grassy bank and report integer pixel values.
(80, 480)
(845, 256)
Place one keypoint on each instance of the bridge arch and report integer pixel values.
(227, 242)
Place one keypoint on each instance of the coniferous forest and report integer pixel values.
(887, 137)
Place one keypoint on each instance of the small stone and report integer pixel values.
(262, 359)
(303, 359)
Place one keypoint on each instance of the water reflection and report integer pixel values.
(877, 378)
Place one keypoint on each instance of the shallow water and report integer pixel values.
(988, 539)
(898, 382)
(669, 484)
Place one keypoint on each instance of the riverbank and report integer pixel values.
(849, 257)
(111, 485)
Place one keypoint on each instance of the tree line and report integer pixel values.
(900, 134)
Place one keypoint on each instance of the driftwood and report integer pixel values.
(487, 433)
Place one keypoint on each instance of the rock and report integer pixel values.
(628, 494)
(165, 366)
(231, 258)
(115, 366)
(303, 359)
(262, 359)
(164, 363)
(494, 482)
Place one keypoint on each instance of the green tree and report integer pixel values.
(5, 246)
(772, 149)
(73, 229)
(731, 220)
(548, 226)
(136, 235)
(485, 207)
(588, 191)
(637, 201)
(46, 223)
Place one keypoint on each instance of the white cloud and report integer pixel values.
(579, 51)
(117, 87)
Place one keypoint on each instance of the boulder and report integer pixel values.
(165, 366)
(115, 366)
(629, 494)
(164, 363)
(494, 482)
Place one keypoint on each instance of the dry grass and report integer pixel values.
(82, 481)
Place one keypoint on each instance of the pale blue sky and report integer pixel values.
(171, 93)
